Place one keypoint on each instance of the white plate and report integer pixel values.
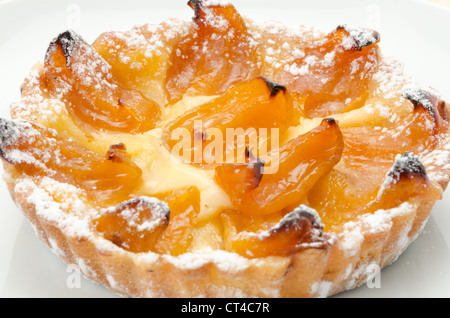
(416, 32)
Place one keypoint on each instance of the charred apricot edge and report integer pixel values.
(135, 225)
(300, 228)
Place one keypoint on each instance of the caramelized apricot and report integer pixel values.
(139, 58)
(75, 73)
(162, 223)
(417, 131)
(39, 151)
(406, 179)
(431, 105)
(268, 236)
(244, 176)
(185, 206)
(247, 107)
(302, 161)
(216, 54)
(135, 225)
(334, 73)
(341, 196)
(343, 193)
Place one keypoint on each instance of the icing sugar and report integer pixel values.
(47, 207)
(84, 62)
(228, 262)
(216, 2)
(362, 36)
(131, 209)
(322, 289)
(419, 95)
(294, 218)
(11, 133)
(404, 164)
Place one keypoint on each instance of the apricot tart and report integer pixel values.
(222, 158)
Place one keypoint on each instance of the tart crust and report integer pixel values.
(371, 241)
(313, 272)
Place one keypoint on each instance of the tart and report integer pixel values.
(119, 154)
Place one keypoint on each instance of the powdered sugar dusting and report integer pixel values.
(215, 21)
(150, 40)
(67, 214)
(438, 165)
(322, 289)
(363, 37)
(407, 163)
(87, 66)
(13, 132)
(351, 238)
(226, 261)
(303, 212)
(418, 95)
(216, 2)
(131, 212)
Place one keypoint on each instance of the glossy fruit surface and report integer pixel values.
(301, 162)
(215, 130)
(76, 73)
(273, 235)
(283, 137)
(214, 55)
(135, 225)
(185, 206)
(39, 151)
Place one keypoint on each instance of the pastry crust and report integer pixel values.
(58, 213)
(376, 239)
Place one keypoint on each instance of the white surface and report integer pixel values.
(414, 31)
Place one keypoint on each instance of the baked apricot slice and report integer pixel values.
(216, 54)
(185, 206)
(343, 193)
(334, 73)
(431, 106)
(39, 151)
(248, 109)
(139, 58)
(301, 162)
(256, 237)
(340, 197)
(75, 73)
(242, 177)
(406, 179)
(162, 223)
(417, 131)
(135, 225)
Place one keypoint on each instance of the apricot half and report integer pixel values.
(334, 73)
(185, 206)
(75, 73)
(162, 223)
(301, 162)
(415, 132)
(135, 225)
(211, 133)
(272, 235)
(39, 151)
(216, 54)
(345, 193)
